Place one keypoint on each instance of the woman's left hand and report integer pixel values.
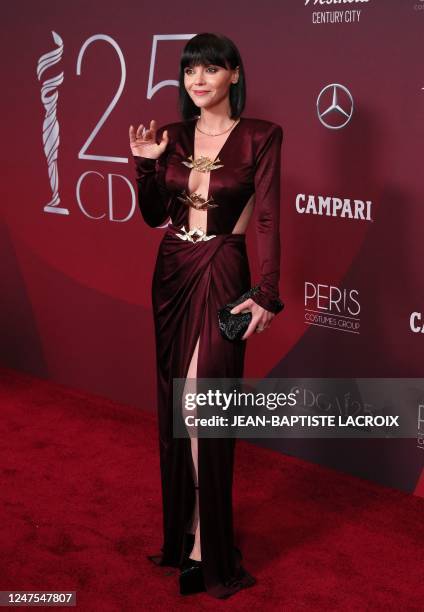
(261, 318)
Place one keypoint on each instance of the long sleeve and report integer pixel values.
(153, 197)
(267, 206)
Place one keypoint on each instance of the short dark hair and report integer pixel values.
(208, 48)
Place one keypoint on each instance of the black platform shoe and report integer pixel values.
(191, 577)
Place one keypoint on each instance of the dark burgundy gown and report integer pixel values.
(191, 281)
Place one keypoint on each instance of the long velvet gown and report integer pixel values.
(191, 281)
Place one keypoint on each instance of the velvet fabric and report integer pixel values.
(191, 281)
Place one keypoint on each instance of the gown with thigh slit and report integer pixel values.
(192, 279)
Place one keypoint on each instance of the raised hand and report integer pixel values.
(143, 142)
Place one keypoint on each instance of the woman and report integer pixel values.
(207, 173)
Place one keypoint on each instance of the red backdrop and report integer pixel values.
(76, 285)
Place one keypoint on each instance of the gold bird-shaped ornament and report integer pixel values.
(202, 164)
(197, 201)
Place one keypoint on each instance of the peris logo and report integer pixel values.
(332, 307)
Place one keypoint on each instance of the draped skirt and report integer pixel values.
(191, 281)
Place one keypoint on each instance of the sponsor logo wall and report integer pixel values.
(78, 259)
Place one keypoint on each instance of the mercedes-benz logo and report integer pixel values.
(335, 106)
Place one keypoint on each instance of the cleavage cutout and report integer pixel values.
(199, 182)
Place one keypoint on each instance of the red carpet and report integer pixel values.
(80, 510)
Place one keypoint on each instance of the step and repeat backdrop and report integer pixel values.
(344, 78)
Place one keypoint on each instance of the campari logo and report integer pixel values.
(330, 206)
(416, 322)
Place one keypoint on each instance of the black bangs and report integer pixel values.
(206, 49)
(209, 48)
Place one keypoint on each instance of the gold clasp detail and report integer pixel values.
(194, 235)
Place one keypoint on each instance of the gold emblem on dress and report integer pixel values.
(197, 201)
(202, 164)
(194, 235)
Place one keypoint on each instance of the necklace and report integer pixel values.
(220, 133)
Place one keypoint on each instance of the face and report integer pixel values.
(208, 85)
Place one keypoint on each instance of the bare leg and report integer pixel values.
(195, 526)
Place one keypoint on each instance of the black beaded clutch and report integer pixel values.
(233, 326)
